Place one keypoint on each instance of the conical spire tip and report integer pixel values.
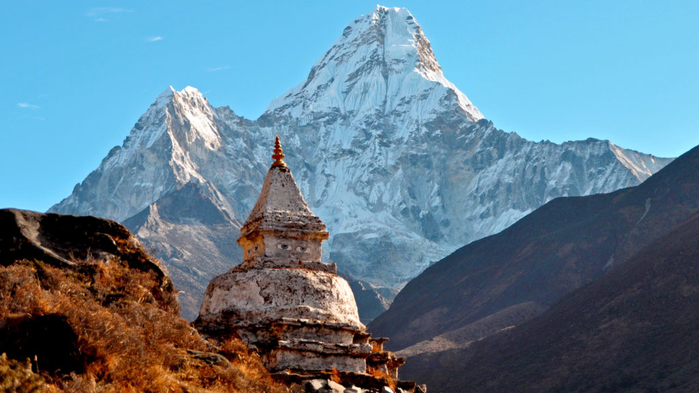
(278, 156)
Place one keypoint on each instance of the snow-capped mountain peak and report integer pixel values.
(165, 97)
(392, 157)
(382, 64)
(195, 125)
(196, 111)
(403, 38)
(166, 149)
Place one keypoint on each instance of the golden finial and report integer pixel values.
(278, 155)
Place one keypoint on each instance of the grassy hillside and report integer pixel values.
(103, 325)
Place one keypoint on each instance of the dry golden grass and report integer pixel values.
(128, 331)
(392, 383)
(18, 377)
(335, 376)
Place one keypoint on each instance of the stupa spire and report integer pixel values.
(278, 156)
(282, 216)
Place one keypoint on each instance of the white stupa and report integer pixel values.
(282, 300)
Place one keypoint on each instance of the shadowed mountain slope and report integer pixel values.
(633, 330)
(562, 246)
(189, 229)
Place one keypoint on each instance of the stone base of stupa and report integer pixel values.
(301, 318)
(340, 381)
(296, 343)
(317, 356)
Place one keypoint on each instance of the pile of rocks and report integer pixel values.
(330, 386)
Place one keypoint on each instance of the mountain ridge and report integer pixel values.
(399, 188)
(563, 245)
(631, 330)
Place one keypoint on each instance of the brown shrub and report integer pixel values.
(128, 331)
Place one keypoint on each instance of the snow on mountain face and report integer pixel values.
(395, 160)
(165, 150)
(382, 63)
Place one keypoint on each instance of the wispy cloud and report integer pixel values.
(27, 105)
(214, 69)
(154, 39)
(99, 14)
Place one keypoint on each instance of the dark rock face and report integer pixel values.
(633, 330)
(562, 246)
(60, 240)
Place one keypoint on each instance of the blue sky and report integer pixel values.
(75, 76)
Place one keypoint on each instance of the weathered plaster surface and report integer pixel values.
(281, 206)
(270, 294)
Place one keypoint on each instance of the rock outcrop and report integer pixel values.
(285, 303)
(61, 240)
(84, 307)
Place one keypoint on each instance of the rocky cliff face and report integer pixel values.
(397, 162)
(62, 240)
